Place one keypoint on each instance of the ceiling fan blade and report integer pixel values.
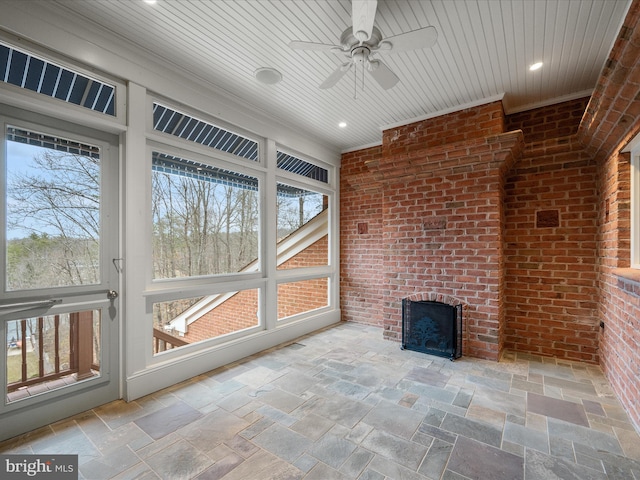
(363, 13)
(382, 74)
(336, 75)
(300, 45)
(421, 38)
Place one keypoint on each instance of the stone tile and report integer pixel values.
(212, 429)
(574, 387)
(283, 442)
(257, 427)
(338, 409)
(610, 461)
(395, 419)
(560, 409)
(167, 420)
(482, 432)
(526, 437)
(428, 392)
(312, 426)
(110, 464)
(436, 432)
(594, 408)
(436, 460)
(463, 398)
(585, 436)
(478, 461)
(281, 400)
(179, 460)
(263, 465)
(277, 415)
(305, 462)
(242, 446)
(394, 448)
(295, 382)
(140, 471)
(356, 463)
(391, 470)
(350, 389)
(220, 468)
(541, 465)
(561, 448)
(428, 376)
(493, 383)
(332, 450)
(527, 386)
(486, 415)
(325, 472)
(630, 443)
(116, 414)
(408, 400)
(499, 401)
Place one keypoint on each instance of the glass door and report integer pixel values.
(59, 295)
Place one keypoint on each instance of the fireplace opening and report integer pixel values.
(432, 327)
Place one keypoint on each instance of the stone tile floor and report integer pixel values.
(343, 403)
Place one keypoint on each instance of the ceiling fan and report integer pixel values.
(362, 40)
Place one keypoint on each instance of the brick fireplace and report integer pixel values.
(440, 187)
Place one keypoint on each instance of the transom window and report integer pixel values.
(181, 125)
(27, 71)
(298, 166)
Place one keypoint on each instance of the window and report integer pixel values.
(302, 296)
(27, 71)
(53, 211)
(182, 322)
(205, 219)
(170, 121)
(290, 163)
(302, 227)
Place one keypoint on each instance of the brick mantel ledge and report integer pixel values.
(489, 151)
(628, 280)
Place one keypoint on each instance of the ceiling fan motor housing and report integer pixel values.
(349, 41)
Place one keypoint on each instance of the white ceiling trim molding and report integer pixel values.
(553, 101)
(457, 108)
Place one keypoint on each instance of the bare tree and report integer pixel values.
(56, 204)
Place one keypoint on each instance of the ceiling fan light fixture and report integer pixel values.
(268, 75)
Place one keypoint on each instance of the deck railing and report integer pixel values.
(163, 341)
(75, 357)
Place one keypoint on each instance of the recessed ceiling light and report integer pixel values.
(342, 124)
(268, 75)
(151, 2)
(535, 66)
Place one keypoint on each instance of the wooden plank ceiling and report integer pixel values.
(483, 51)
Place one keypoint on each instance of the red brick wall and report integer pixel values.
(551, 228)
(241, 310)
(236, 313)
(611, 120)
(361, 249)
(302, 296)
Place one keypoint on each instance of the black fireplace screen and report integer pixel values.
(432, 327)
